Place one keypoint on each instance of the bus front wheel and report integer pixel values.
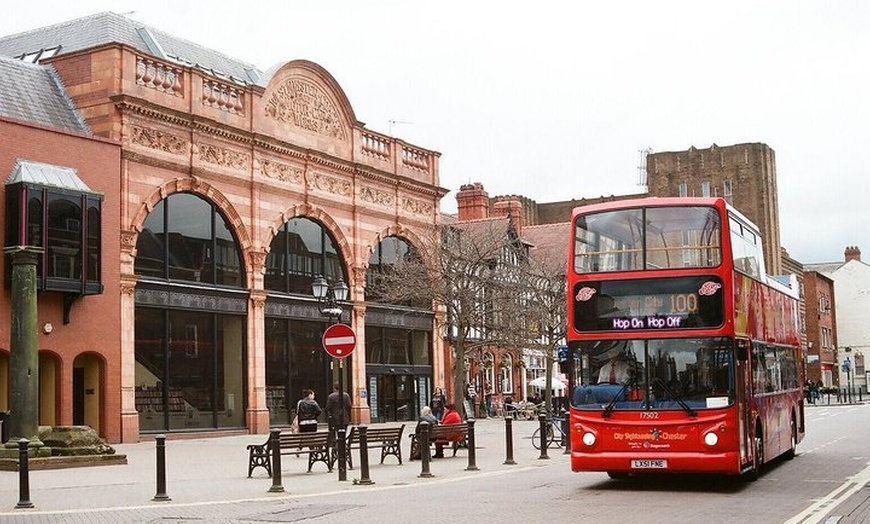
(758, 456)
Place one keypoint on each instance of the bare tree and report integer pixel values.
(545, 316)
(474, 272)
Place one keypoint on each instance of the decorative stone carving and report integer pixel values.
(128, 240)
(156, 139)
(258, 261)
(329, 184)
(304, 104)
(418, 207)
(282, 172)
(223, 157)
(376, 196)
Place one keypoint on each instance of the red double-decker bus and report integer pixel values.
(686, 354)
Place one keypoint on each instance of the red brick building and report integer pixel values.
(44, 143)
(233, 191)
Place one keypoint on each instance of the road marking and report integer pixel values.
(815, 513)
(348, 489)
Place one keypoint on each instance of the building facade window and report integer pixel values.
(186, 239)
(189, 339)
(295, 360)
(300, 251)
(64, 221)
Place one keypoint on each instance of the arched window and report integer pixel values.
(388, 253)
(300, 251)
(190, 347)
(186, 238)
(505, 374)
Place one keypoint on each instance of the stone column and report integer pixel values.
(24, 348)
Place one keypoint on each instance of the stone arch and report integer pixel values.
(322, 217)
(208, 192)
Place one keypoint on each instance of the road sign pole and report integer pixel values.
(342, 452)
(339, 341)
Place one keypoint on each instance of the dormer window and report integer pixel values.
(48, 206)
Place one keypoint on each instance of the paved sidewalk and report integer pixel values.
(212, 470)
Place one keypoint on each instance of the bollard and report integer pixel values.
(423, 441)
(542, 422)
(859, 396)
(161, 495)
(364, 456)
(472, 457)
(275, 443)
(23, 475)
(509, 441)
(341, 443)
(566, 435)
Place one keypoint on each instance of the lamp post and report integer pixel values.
(329, 298)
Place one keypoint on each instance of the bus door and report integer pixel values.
(743, 395)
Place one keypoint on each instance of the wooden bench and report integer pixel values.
(315, 445)
(442, 434)
(388, 439)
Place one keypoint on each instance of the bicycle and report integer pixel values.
(555, 435)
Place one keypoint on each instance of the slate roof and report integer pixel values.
(108, 27)
(549, 243)
(34, 93)
(32, 172)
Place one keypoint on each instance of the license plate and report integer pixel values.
(649, 464)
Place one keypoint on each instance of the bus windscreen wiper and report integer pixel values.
(609, 408)
(691, 412)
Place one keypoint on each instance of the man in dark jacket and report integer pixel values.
(337, 417)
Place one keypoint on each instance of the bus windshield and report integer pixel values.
(656, 374)
(647, 238)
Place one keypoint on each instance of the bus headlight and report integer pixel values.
(589, 438)
(711, 438)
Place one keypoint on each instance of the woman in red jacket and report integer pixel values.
(451, 416)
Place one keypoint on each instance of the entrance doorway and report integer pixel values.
(393, 398)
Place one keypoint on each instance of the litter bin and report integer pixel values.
(4, 429)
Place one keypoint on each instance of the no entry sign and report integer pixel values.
(339, 340)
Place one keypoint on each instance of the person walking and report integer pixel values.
(307, 411)
(337, 412)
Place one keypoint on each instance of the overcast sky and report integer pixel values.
(554, 100)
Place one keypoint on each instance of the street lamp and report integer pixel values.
(329, 298)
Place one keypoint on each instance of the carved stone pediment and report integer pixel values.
(303, 103)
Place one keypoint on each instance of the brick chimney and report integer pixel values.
(510, 205)
(473, 202)
(853, 253)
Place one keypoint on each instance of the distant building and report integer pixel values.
(851, 311)
(821, 332)
(743, 174)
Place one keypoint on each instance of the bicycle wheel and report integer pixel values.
(555, 437)
(536, 439)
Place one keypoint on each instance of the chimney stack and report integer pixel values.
(472, 202)
(510, 205)
(853, 253)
